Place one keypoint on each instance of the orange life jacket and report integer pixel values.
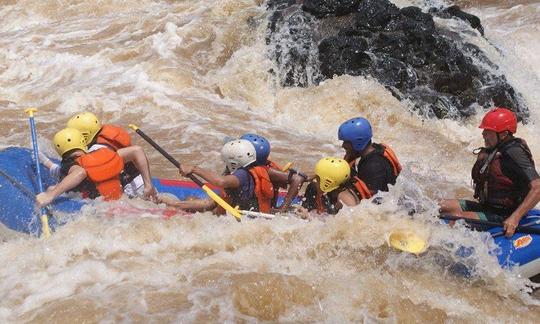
(103, 168)
(325, 205)
(114, 137)
(392, 158)
(275, 166)
(389, 154)
(359, 187)
(264, 190)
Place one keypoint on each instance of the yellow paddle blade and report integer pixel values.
(407, 241)
(45, 230)
(215, 197)
(287, 167)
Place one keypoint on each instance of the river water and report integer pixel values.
(191, 73)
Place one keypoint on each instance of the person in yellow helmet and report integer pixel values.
(333, 186)
(136, 177)
(93, 174)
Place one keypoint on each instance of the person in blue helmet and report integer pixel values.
(374, 164)
(373, 167)
(285, 178)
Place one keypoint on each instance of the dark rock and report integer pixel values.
(323, 8)
(413, 19)
(395, 73)
(375, 14)
(343, 55)
(434, 68)
(455, 11)
(453, 83)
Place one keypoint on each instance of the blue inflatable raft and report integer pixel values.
(521, 250)
(18, 189)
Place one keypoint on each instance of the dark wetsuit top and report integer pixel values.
(375, 170)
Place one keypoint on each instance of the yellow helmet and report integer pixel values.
(68, 139)
(332, 173)
(87, 123)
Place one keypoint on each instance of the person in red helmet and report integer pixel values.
(506, 183)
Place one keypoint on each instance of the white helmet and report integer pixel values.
(238, 153)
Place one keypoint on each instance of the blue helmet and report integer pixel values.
(357, 131)
(262, 147)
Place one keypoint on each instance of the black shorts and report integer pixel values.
(483, 212)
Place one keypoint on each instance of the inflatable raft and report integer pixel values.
(18, 189)
(521, 250)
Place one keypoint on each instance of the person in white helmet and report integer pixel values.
(248, 185)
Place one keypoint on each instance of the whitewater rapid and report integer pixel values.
(193, 73)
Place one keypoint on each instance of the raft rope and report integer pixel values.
(24, 190)
(19, 185)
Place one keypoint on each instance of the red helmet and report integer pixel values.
(499, 120)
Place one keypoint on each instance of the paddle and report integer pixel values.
(409, 241)
(254, 214)
(44, 218)
(500, 233)
(208, 191)
(519, 229)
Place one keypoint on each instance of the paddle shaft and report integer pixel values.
(520, 229)
(44, 218)
(208, 191)
(36, 154)
(167, 155)
(524, 226)
(255, 214)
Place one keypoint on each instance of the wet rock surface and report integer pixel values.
(437, 69)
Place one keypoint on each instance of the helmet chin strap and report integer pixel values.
(499, 140)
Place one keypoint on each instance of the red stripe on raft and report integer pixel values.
(190, 184)
(183, 184)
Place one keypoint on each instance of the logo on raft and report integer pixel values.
(522, 242)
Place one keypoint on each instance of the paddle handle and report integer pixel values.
(520, 229)
(44, 218)
(208, 191)
(471, 220)
(30, 112)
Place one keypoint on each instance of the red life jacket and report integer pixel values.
(114, 137)
(103, 169)
(491, 186)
